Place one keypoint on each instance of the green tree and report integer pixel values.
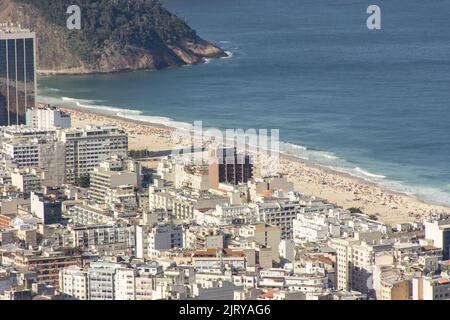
(139, 23)
(355, 210)
(83, 181)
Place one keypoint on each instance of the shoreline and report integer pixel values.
(81, 72)
(116, 117)
(361, 180)
(337, 187)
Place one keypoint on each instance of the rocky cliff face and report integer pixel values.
(120, 35)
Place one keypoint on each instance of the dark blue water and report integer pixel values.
(375, 104)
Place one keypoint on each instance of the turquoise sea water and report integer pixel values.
(375, 104)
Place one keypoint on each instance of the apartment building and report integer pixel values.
(33, 148)
(438, 231)
(47, 264)
(113, 176)
(229, 166)
(227, 215)
(142, 241)
(164, 237)
(46, 207)
(47, 117)
(182, 202)
(355, 261)
(87, 148)
(101, 280)
(431, 288)
(218, 259)
(125, 284)
(73, 283)
(395, 288)
(310, 228)
(198, 238)
(24, 152)
(191, 176)
(145, 282)
(280, 214)
(264, 234)
(26, 180)
(109, 239)
(89, 214)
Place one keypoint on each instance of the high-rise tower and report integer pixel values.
(17, 74)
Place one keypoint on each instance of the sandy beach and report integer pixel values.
(341, 189)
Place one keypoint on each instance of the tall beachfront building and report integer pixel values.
(229, 166)
(46, 117)
(87, 148)
(17, 74)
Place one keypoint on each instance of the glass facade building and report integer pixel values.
(17, 76)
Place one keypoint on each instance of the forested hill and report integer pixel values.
(115, 35)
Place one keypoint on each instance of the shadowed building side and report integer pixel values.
(229, 166)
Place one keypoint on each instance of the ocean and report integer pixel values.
(371, 103)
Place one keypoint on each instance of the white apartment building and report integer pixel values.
(142, 241)
(110, 239)
(113, 179)
(122, 196)
(73, 283)
(87, 148)
(47, 118)
(110, 281)
(145, 283)
(160, 198)
(286, 249)
(124, 284)
(438, 231)
(355, 262)
(44, 153)
(227, 215)
(166, 169)
(89, 214)
(24, 152)
(26, 180)
(280, 214)
(101, 280)
(299, 283)
(23, 132)
(184, 203)
(310, 228)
